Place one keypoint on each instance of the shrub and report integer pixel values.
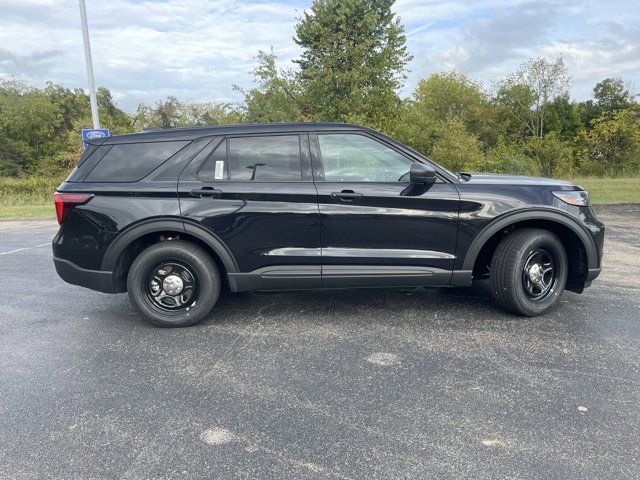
(455, 148)
(549, 153)
(510, 159)
(33, 190)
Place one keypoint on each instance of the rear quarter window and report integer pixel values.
(90, 158)
(129, 162)
(87, 153)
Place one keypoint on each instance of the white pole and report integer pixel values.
(87, 57)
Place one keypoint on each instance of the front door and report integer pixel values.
(378, 228)
(256, 194)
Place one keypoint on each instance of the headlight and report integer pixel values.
(574, 197)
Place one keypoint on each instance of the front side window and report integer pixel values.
(272, 159)
(356, 158)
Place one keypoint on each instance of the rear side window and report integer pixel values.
(271, 159)
(129, 162)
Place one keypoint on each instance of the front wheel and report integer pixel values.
(529, 272)
(173, 284)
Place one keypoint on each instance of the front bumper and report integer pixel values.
(94, 279)
(593, 274)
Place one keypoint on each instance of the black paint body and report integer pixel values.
(299, 234)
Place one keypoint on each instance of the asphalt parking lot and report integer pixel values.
(337, 384)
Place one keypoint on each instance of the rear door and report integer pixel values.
(256, 194)
(378, 228)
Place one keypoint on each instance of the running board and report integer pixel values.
(354, 276)
(309, 277)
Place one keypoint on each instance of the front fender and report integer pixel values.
(527, 214)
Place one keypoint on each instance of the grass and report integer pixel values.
(27, 211)
(27, 197)
(611, 190)
(33, 197)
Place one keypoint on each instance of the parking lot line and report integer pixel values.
(24, 248)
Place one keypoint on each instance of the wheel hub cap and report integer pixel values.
(539, 275)
(535, 273)
(172, 285)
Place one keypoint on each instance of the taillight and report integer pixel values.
(65, 202)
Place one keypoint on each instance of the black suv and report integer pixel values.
(174, 216)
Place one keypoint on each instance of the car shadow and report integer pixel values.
(358, 305)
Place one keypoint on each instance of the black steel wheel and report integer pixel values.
(174, 283)
(171, 286)
(529, 271)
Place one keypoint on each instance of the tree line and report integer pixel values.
(352, 66)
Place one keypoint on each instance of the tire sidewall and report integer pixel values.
(550, 242)
(204, 270)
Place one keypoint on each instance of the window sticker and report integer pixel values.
(219, 170)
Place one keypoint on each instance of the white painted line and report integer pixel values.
(14, 251)
(24, 248)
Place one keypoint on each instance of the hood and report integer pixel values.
(494, 178)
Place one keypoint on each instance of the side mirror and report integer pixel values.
(421, 173)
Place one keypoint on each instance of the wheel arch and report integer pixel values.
(133, 240)
(578, 243)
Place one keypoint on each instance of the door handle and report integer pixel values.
(206, 192)
(346, 195)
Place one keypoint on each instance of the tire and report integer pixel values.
(517, 281)
(173, 284)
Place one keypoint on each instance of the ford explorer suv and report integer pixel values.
(174, 216)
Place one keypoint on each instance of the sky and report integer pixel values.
(195, 50)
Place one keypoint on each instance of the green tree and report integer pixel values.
(609, 95)
(172, 113)
(612, 144)
(12, 161)
(29, 119)
(40, 128)
(73, 104)
(528, 92)
(441, 98)
(277, 97)
(110, 115)
(66, 145)
(165, 114)
(450, 94)
(563, 118)
(353, 60)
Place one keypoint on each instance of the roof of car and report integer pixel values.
(198, 132)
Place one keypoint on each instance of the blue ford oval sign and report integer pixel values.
(93, 134)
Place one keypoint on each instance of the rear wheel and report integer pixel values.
(529, 272)
(173, 284)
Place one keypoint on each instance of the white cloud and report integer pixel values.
(496, 36)
(196, 49)
(144, 51)
(615, 52)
